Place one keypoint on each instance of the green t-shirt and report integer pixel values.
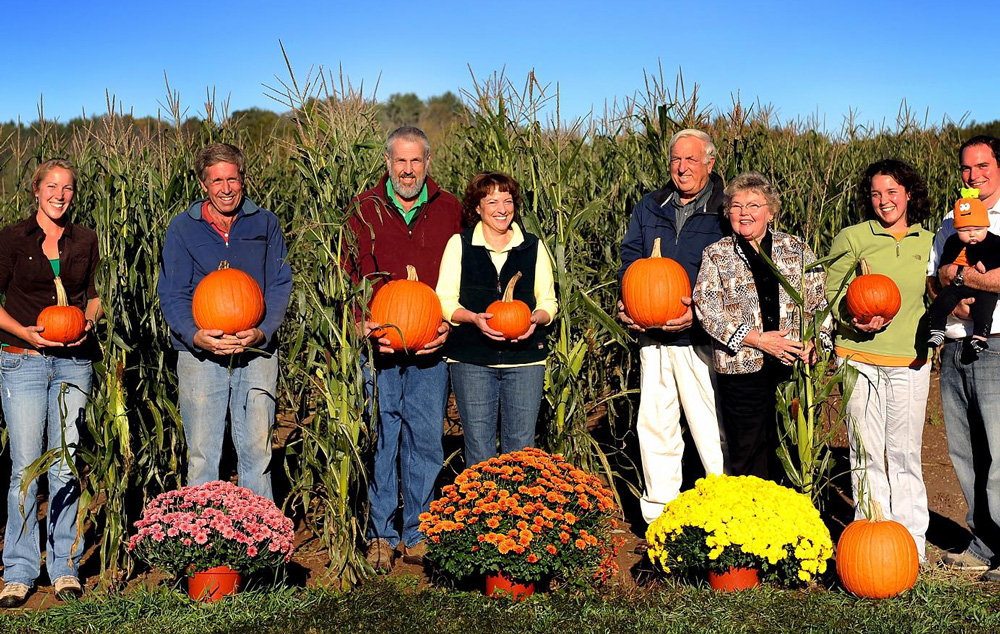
(407, 215)
(55, 266)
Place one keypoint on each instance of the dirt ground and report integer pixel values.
(947, 530)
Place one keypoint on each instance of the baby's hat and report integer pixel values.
(970, 211)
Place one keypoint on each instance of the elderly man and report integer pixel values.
(970, 383)
(675, 360)
(404, 220)
(219, 372)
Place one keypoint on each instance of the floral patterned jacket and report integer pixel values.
(725, 299)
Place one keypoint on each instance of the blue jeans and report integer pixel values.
(970, 395)
(42, 397)
(482, 392)
(411, 406)
(208, 387)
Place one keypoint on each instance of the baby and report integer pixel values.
(971, 245)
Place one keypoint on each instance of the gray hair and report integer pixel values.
(219, 153)
(408, 133)
(698, 134)
(757, 183)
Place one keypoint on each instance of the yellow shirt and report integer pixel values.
(450, 278)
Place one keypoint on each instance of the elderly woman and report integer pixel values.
(45, 383)
(488, 372)
(889, 399)
(755, 325)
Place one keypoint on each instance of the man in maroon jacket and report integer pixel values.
(405, 219)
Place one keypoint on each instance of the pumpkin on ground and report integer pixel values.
(871, 294)
(877, 558)
(652, 289)
(229, 300)
(408, 313)
(512, 317)
(62, 323)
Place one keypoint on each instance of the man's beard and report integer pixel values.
(406, 192)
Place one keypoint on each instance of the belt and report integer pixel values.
(20, 350)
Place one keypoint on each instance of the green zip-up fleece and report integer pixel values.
(905, 261)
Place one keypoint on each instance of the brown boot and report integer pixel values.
(414, 555)
(380, 555)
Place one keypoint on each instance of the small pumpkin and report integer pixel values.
(877, 558)
(62, 323)
(872, 294)
(229, 300)
(512, 317)
(652, 289)
(408, 313)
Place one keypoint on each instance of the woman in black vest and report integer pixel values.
(491, 374)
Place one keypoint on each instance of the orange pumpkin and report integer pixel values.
(62, 323)
(652, 289)
(408, 311)
(229, 300)
(877, 558)
(871, 294)
(511, 316)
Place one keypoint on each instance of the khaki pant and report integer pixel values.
(887, 407)
(674, 378)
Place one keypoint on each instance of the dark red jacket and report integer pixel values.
(386, 244)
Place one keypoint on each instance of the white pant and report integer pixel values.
(887, 410)
(674, 377)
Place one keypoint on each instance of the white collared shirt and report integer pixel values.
(960, 328)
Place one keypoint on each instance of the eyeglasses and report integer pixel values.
(751, 207)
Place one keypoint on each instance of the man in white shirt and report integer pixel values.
(970, 384)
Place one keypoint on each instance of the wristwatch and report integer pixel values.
(959, 277)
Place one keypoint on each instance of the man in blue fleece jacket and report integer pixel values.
(218, 372)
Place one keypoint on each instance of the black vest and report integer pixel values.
(480, 286)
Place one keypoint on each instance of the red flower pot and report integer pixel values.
(499, 585)
(213, 584)
(734, 579)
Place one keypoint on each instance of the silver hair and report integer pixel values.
(757, 183)
(408, 133)
(698, 134)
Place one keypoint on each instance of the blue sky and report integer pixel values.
(805, 58)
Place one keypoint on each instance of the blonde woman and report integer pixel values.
(45, 384)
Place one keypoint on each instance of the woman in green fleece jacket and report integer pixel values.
(890, 397)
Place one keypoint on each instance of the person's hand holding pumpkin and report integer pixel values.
(876, 324)
(216, 342)
(88, 325)
(32, 334)
(443, 331)
(625, 319)
(684, 321)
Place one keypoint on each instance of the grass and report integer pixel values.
(938, 603)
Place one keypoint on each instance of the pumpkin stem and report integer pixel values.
(865, 270)
(656, 249)
(877, 515)
(508, 293)
(61, 298)
(411, 273)
(223, 265)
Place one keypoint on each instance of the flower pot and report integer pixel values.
(213, 584)
(734, 579)
(498, 585)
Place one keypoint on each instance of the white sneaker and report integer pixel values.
(14, 595)
(68, 587)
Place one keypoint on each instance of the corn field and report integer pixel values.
(580, 181)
